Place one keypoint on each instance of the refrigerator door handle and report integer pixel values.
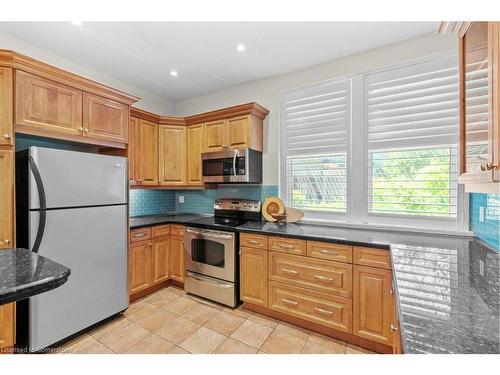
(43, 204)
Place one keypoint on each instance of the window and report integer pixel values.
(376, 148)
(412, 120)
(316, 147)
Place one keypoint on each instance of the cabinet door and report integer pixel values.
(7, 330)
(45, 107)
(6, 199)
(133, 148)
(215, 136)
(253, 276)
(474, 110)
(373, 304)
(140, 265)
(161, 247)
(238, 130)
(494, 96)
(194, 148)
(172, 154)
(147, 153)
(6, 106)
(176, 261)
(105, 119)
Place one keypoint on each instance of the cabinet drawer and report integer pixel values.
(161, 230)
(329, 251)
(140, 234)
(366, 256)
(321, 275)
(177, 230)
(253, 240)
(287, 245)
(328, 310)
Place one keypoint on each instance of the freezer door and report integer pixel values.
(92, 242)
(76, 179)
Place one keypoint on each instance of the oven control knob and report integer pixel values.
(245, 204)
(256, 205)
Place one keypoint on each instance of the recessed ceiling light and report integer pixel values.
(77, 23)
(174, 73)
(241, 47)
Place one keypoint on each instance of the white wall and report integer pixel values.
(148, 102)
(268, 92)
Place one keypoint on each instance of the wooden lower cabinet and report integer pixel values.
(373, 304)
(161, 255)
(253, 276)
(6, 199)
(7, 330)
(140, 262)
(176, 259)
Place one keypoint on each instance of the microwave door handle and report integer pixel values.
(234, 161)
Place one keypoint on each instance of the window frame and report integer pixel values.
(357, 210)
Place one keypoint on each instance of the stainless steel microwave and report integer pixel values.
(232, 166)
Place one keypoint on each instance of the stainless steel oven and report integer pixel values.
(210, 262)
(232, 166)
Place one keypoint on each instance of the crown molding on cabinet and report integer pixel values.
(456, 28)
(219, 114)
(16, 60)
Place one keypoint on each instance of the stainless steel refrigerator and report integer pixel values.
(72, 208)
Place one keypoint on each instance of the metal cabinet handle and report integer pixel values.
(141, 234)
(490, 166)
(86, 130)
(286, 246)
(255, 242)
(323, 311)
(289, 302)
(6, 241)
(394, 328)
(286, 270)
(150, 244)
(6, 136)
(323, 278)
(327, 251)
(81, 130)
(391, 291)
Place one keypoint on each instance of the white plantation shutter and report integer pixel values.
(316, 134)
(412, 120)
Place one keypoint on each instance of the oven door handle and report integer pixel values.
(207, 280)
(234, 162)
(210, 235)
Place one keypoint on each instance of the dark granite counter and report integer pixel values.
(24, 274)
(447, 287)
(168, 218)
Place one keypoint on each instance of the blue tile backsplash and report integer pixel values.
(151, 202)
(489, 230)
(202, 201)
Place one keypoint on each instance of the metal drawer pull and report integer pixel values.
(391, 291)
(6, 136)
(322, 311)
(286, 270)
(6, 241)
(255, 242)
(323, 278)
(393, 328)
(289, 302)
(143, 234)
(326, 251)
(286, 246)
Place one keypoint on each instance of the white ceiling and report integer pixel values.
(204, 53)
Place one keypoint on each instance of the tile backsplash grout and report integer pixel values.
(487, 230)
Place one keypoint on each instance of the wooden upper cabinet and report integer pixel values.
(215, 136)
(6, 106)
(373, 304)
(479, 58)
(105, 119)
(6, 199)
(239, 132)
(147, 153)
(172, 154)
(133, 148)
(47, 108)
(194, 149)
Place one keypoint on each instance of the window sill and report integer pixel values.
(387, 227)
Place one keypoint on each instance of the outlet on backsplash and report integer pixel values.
(181, 199)
(481, 214)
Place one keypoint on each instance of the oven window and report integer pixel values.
(207, 252)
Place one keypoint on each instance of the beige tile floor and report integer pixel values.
(171, 321)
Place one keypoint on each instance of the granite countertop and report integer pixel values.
(447, 287)
(168, 218)
(24, 274)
